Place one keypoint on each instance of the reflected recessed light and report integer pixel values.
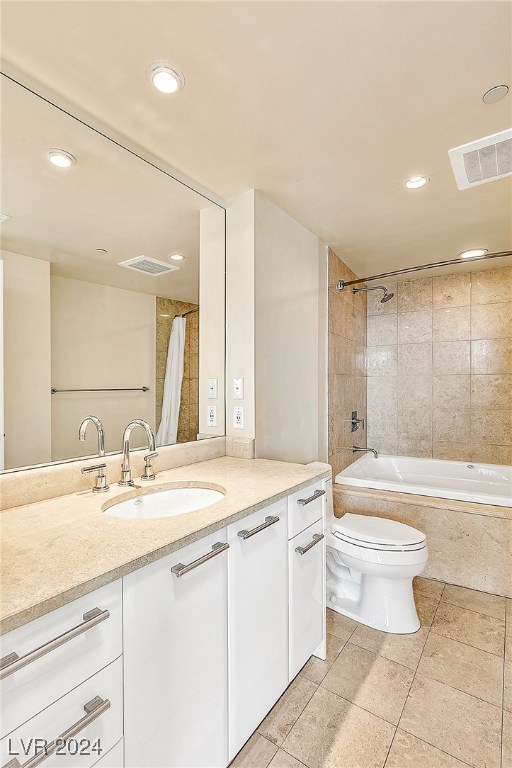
(60, 158)
(495, 94)
(165, 77)
(415, 182)
(176, 257)
(473, 253)
(3, 217)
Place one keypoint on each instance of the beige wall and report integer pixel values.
(27, 376)
(166, 311)
(240, 310)
(101, 337)
(347, 366)
(212, 318)
(440, 368)
(276, 330)
(289, 337)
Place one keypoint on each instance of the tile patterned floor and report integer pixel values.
(441, 698)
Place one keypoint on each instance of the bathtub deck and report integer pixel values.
(436, 698)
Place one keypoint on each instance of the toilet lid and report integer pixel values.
(377, 530)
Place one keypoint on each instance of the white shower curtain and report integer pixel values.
(168, 429)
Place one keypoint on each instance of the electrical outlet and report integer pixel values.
(238, 417)
(238, 389)
(211, 415)
(213, 386)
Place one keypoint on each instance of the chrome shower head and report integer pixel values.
(387, 296)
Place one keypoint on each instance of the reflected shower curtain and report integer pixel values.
(168, 429)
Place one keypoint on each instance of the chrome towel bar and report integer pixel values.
(55, 391)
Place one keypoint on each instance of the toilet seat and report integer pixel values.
(377, 533)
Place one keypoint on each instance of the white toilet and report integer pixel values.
(371, 563)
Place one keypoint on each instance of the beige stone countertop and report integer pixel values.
(56, 550)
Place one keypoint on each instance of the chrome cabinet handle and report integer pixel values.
(181, 569)
(316, 538)
(93, 709)
(314, 497)
(268, 522)
(13, 662)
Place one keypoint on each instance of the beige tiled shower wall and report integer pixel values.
(347, 366)
(166, 311)
(439, 367)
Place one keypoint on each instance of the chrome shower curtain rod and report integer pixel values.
(341, 284)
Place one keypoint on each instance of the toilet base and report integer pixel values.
(384, 604)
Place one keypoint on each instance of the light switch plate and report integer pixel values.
(211, 415)
(213, 389)
(238, 389)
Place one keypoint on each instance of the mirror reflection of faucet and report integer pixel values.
(101, 479)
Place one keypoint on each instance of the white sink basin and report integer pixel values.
(165, 503)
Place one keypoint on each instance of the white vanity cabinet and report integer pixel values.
(175, 657)
(306, 562)
(257, 619)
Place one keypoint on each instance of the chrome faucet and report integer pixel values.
(101, 479)
(148, 474)
(355, 449)
(101, 432)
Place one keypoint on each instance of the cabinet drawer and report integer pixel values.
(83, 647)
(305, 507)
(306, 556)
(98, 727)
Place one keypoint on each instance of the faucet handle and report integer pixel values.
(101, 479)
(148, 473)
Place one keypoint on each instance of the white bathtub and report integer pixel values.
(480, 483)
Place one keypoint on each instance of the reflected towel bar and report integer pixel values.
(102, 389)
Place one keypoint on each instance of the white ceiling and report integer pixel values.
(326, 107)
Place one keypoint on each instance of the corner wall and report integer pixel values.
(347, 366)
(276, 330)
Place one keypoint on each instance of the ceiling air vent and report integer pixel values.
(148, 266)
(482, 160)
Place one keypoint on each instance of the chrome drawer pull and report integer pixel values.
(314, 497)
(181, 570)
(93, 709)
(268, 522)
(13, 662)
(316, 538)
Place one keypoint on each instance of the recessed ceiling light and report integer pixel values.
(415, 182)
(3, 217)
(60, 158)
(165, 77)
(495, 94)
(176, 257)
(473, 253)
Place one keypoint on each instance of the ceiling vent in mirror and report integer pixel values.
(483, 160)
(148, 266)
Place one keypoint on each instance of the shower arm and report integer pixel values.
(341, 284)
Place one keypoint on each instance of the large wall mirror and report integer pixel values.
(98, 318)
